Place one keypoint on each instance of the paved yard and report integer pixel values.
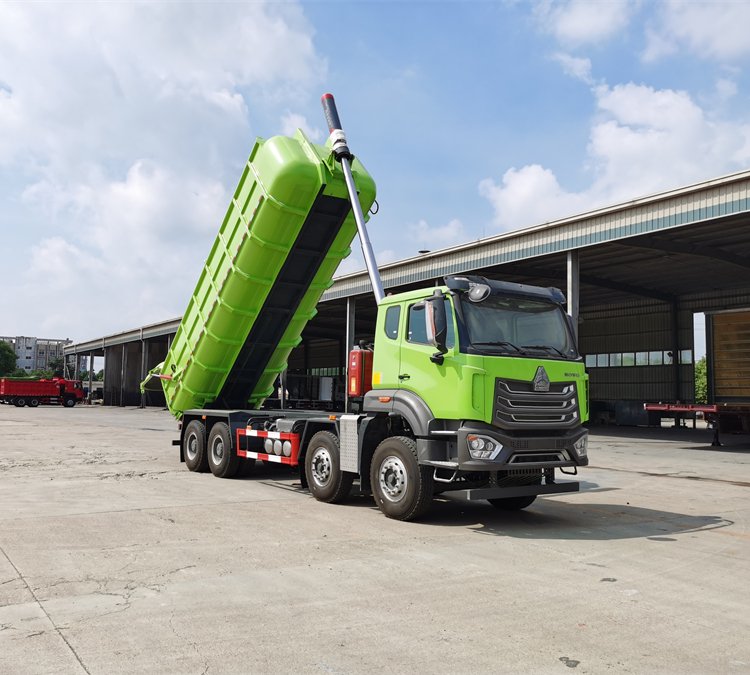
(114, 558)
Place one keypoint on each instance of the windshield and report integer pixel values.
(513, 325)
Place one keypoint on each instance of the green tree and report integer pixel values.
(7, 358)
(57, 366)
(19, 372)
(701, 381)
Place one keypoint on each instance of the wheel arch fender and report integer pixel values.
(414, 410)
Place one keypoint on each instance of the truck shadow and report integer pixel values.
(560, 520)
(547, 518)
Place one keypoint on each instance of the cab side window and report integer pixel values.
(392, 316)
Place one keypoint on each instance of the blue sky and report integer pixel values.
(124, 127)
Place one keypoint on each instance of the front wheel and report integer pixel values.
(325, 479)
(402, 488)
(512, 503)
(69, 401)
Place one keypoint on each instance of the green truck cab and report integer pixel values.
(482, 383)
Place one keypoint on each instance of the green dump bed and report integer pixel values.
(287, 229)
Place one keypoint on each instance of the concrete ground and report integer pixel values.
(115, 559)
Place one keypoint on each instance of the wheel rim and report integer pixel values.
(321, 467)
(217, 450)
(392, 478)
(191, 447)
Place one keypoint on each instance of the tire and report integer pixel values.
(325, 480)
(20, 402)
(512, 503)
(33, 402)
(69, 402)
(194, 447)
(222, 457)
(402, 488)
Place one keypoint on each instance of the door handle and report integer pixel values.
(404, 376)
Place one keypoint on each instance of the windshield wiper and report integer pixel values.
(545, 347)
(498, 344)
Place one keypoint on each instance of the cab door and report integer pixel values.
(387, 358)
(437, 384)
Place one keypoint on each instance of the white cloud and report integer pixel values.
(716, 30)
(139, 248)
(432, 238)
(579, 68)
(579, 22)
(290, 122)
(528, 196)
(725, 89)
(643, 140)
(123, 126)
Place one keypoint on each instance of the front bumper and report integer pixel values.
(475, 494)
(523, 452)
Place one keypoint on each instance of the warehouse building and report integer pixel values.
(634, 275)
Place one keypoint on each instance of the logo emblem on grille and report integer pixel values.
(541, 380)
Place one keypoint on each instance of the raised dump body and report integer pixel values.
(288, 227)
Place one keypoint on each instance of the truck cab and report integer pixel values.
(484, 377)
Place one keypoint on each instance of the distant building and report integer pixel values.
(34, 353)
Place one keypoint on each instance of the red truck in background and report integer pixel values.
(21, 392)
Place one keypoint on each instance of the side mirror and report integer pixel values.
(436, 323)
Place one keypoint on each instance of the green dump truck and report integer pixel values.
(474, 388)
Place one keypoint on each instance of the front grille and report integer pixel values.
(517, 405)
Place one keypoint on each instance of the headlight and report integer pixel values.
(482, 447)
(581, 445)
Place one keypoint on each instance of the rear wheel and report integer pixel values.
(20, 402)
(325, 479)
(33, 402)
(402, 488)
(512, 503)
(222, 459)
(194, 446)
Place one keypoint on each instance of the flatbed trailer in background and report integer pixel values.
(728, 376)
(723, 417)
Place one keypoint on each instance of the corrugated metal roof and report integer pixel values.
(151, 331)
(721, 197)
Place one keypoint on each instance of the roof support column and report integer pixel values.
(143, 368)
(676, 352)
(573, 288)
(122, 373)
(351, 315)
(91, 375)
